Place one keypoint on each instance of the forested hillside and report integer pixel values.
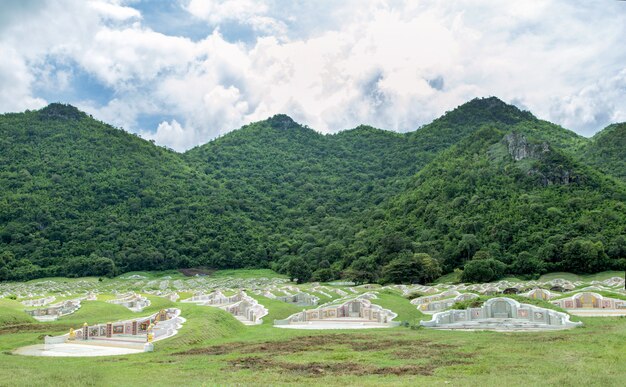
(498, 202)
(607, 151)
(486, 186)
(79, 197)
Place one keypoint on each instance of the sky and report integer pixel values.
(184, 72)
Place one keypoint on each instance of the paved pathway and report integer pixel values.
(73, 350)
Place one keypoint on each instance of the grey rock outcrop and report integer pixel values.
(520, 148)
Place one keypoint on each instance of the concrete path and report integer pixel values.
(333, 325)
(73, 350)
(597, 312)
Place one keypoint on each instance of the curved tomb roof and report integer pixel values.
(501, 314)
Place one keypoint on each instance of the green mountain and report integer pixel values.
(499, 195)
(607, 151)
(79, 197)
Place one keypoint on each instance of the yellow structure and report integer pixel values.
(150, 334)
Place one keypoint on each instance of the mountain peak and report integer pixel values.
(61, 111)
(282, 121)
(489, 109)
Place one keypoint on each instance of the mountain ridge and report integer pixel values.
(80, 197)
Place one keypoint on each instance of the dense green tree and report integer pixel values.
(407, 268)
(431, 267)
(298, 270)
(363, 270)
(484, 270)
(584, 256)
(526, 263)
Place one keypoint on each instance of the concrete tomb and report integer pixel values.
(300, 299)
(592, 304)
(243, 307)
(539, 294)
(247, 310)
(437, 304)
(132, 301)
(436, 297)
(121, 337)
(501, 314)
(53, 312)
(354, 313)
(39, 302)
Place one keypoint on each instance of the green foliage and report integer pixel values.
(411, 268)
(79, 197)
(484, 270)
(585, 256)
(527, 264)
(298, 270)
(607, 151)
(406, 269)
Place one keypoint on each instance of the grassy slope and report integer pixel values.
(228, 352)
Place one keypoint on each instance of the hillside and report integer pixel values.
(79, 197)
(607, 151)
(519, 204)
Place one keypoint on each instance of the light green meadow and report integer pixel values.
(213, 348)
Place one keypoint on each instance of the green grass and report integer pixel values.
(454, 277)
(213, 348)
(278, 310)
(12, 313)
(400, 305)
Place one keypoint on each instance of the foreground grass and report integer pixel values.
(213, 348)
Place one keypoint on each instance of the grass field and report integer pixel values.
(213, 348)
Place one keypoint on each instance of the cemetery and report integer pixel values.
(261, 316)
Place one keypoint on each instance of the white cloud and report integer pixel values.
(172, 134)
(593, 106)
(216, 11)
(391, 64)
(129, 57)
(114, 11)
(250, 12)
(16, 83)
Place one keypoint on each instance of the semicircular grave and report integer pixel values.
(501, 314)
(243, 307)
(109, 339)
(592, 304)
(353, 313)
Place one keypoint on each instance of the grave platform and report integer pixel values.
(500, 324)
(74, 350)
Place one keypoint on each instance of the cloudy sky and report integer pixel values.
(184, 72)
